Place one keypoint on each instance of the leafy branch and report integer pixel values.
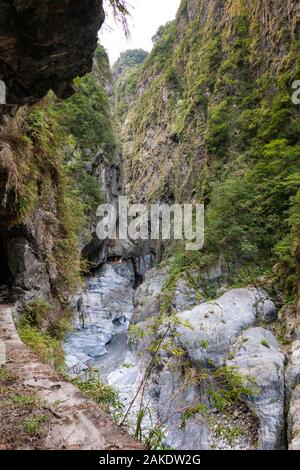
(120, 9)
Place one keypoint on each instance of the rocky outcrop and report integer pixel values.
(293, 396)
(26, 248)
(223, 333)
(213, 335)
(294, 420)
(45, 45)
(148, 296)
(104, 311)
(215, 326)
(257, 354)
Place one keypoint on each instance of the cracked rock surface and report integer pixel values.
(45, 45)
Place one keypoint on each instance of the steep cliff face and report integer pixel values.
(45, 45)
(214, 123)
(209, 118)
(204, 65)
(57, 160)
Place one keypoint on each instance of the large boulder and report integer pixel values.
(293, 370)
(294, 420)
(148, 296)
(209, 329)
(293, 395)
(257, 354)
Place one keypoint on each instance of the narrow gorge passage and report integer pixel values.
(149, 225)
(105, 309)
(100, 346)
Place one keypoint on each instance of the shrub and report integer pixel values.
(33, 425)
(47, 348)
(36, 312)
(103, 394)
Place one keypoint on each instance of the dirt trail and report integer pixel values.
(28, 385)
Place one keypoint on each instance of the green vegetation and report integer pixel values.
(105, 395)
(45, 343)
(224, 386)
(33, 425)
(265, 343)
(120, 10)
(213, 103)
(129, 59)
(232, 126)
(24, 417)
(46, 347)
(126, 73)
(87, 114)
(53, 146)
(226, 389)
(38, 176)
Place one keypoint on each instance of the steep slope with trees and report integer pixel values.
(214, 123)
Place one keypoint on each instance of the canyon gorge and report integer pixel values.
(121, 344)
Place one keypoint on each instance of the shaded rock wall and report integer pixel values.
(45, 45)
(28, 267)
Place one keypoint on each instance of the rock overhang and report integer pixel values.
(45, 45)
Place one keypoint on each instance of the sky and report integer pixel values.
(146, 17)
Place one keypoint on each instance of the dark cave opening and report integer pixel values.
(6, 278)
